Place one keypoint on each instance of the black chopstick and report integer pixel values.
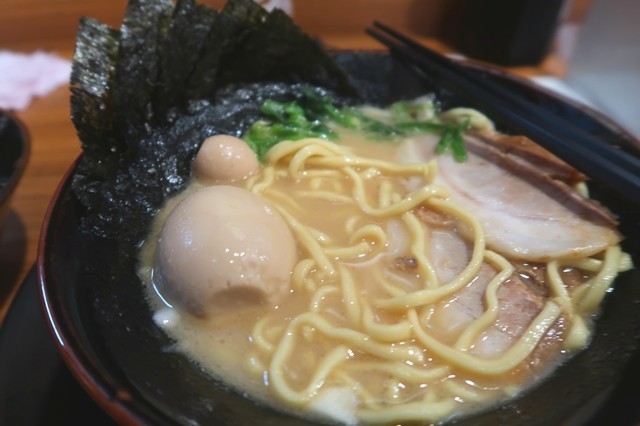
(563, 126)
(601, 161)
(521, 105)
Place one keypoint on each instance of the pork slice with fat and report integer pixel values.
(525, 213)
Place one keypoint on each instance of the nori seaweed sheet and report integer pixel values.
(145, 96)
(187, 33)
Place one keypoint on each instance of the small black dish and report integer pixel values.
(95, 305)
(15, 148)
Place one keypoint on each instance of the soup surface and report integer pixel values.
(374, 281)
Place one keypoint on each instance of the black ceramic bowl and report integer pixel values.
(105, 332)
(14, 155)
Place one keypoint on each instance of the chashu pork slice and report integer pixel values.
(538, 157)
(518, 304)
(525, 213)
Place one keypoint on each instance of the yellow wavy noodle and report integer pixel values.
(280, 198)
(350, 297)
(591, 293)
(326, 195)
(419, 250)
(387, 282)
(321, 295)
(305, 237)
(510, 359)
(404, 372)
(384, 332)
(385, 195)
(484, 321)
(412, 411)
(354, 330)
(476, 119)
(432, 295)
(300, 278)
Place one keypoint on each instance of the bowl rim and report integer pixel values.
(107, 395)
(117, 402)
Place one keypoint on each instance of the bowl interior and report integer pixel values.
(96, 306)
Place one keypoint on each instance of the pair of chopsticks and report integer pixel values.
(601, 161)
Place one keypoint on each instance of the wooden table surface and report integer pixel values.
(54, 145)
(51, 26)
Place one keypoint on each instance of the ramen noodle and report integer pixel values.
(400, 301)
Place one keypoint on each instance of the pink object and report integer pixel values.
(285, 5)
(25, 76)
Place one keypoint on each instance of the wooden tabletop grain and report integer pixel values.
(29, 25)
(54, 145)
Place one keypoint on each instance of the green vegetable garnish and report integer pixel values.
(421, 126)
(452, 139)
(309, 117)
(457, 143)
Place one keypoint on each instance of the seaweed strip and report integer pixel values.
(224, 37)
(190, 25)
(91, 76)
(141, 36)
(144, 97)
(276, 49)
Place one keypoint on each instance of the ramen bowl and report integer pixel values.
(95, 301)
(14, 154)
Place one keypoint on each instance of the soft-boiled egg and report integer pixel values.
(225, 159)
(223, 241)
